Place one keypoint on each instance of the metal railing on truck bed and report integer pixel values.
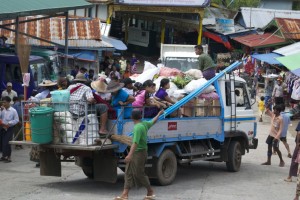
(60, 128)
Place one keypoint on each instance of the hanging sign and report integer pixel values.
(199, 3)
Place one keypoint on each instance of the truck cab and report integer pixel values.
(11, 72)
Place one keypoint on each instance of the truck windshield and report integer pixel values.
(182, 63)
(40, 72)
(54, 66)
(241, 95)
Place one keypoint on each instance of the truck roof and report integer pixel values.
(180, 54)
(13, 59)
(237, 78)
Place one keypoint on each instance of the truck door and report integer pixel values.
(245, 118)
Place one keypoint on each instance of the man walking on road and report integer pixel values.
(274, 135)
(137, 156)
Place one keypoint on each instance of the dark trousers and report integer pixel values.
(6, 137)
(294, 165)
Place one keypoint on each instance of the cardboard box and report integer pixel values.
(202, 107)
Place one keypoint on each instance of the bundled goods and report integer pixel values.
(122, 139)
(166, 71)
(75, 131)
(89, 133)
(182, 81)
(194, 73)
(195, 84)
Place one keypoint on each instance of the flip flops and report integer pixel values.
(121, 198)
(288, 180)
(152, 197)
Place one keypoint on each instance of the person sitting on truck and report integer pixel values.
(81, 94)
(120, 97)
(47, 86)
(206, 64)
(162, 95)
(274, 135)
(143, 98)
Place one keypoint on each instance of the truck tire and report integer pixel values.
(88, 172)
(166, 167)
(234, 156)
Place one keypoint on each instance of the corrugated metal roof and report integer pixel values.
(210, 15)
(256, 40)
(289, 50)
(277, 4)
(10, 9)
(259, 17)
(54, 28)
(290, 28)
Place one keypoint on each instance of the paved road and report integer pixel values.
(20, 180)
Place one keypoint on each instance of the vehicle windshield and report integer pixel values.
(40, 72)
(182, 63)
(54, 66)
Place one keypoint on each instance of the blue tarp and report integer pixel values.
(268, 58)
(85, 55)
(117, 44)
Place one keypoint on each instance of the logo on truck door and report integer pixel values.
(172, 126)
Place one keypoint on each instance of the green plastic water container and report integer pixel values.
(41, 120)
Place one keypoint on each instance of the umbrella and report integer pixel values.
(291, 62)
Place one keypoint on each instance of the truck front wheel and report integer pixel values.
(166, 167)
(234, 157)
(88, 171)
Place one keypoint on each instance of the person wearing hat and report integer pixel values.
(47, 86)
(278, 91)
(128, 85)
(9, 92)
(120, 97)
(82, 94)
(101, 97)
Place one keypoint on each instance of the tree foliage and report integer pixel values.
(236, 4)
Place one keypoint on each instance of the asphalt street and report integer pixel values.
(20, 179)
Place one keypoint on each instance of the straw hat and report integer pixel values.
(47, 83)
(99, 85)
(113, 86)
(80, 77)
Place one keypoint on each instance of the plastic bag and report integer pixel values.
(196, 84)
(148, 65)
(195, 73)
(147, 75)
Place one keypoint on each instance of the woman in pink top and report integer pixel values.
(143, 98)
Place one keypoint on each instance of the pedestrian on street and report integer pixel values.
(9, 92)
(261, 107)
(137, 156)
(206, 64)
(9, 118)
(274, 135)
(277, 93)
(285, 125)
(294, 165)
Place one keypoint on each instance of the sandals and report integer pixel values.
(281, 164)
(288, 180)
(152, 197)
(121, 198)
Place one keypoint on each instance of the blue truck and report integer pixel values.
(222, 130)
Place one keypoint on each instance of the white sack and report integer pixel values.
(172, 89)
(195, 84)
(195, 73)
(147, 75)
(90, 133)
(148, 65)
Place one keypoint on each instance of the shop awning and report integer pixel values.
(289, 50)
(85, 56)
(257, 40)
(218, 38)
(117, 44)
(268, 58)
(291, 62)
(16, 8)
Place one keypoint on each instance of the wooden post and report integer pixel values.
(163, 31)
(201, 15)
